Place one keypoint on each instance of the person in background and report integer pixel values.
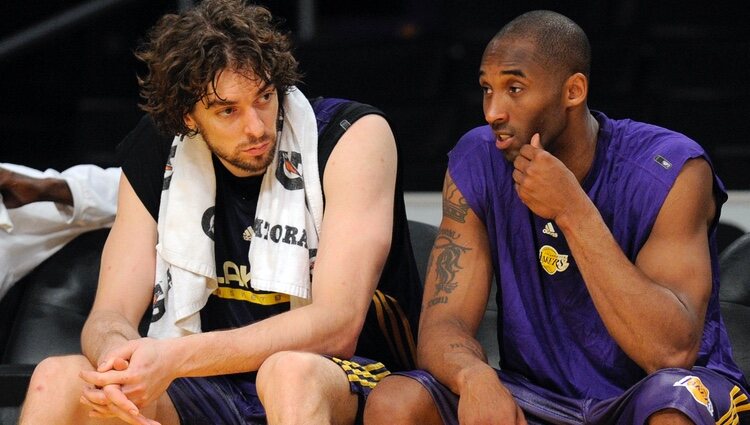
(41, 212)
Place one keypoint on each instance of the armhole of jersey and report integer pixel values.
(347, 115)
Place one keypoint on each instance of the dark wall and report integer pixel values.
(72, 97)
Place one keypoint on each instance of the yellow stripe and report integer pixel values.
(362, 374)
(740, 398)
(406, 357)
(245, 295)
(381, 320)
(374, 366)
(394, 330)
(736, 405)
(407, 330)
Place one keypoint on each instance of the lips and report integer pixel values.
(256, 150)
(503, 141)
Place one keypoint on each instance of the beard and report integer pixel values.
(254, 165)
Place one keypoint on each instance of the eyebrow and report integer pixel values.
(516, 72)
(217, 101)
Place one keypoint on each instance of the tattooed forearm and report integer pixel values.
(445, 257)
(473, 349)
(455, 206)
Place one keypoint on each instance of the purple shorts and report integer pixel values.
(233, 399)
(703, 395)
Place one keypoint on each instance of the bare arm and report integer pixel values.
(125, 279)
(654, 308)
(456, 290)
(359, 184)
(18, 190)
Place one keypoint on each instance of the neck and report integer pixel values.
(580, 156)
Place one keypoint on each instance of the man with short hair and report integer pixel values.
(601, 237)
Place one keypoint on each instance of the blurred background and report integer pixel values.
(69, 92)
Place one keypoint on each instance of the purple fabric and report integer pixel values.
(549, 330)
(679, 389)
(233, 399)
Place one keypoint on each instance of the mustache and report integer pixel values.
(256, 141)
(499, 126)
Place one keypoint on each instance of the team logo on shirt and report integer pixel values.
(697, 390)
(287, 170)
(551, 261)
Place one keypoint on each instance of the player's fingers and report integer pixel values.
(120, 400)
(536, 141)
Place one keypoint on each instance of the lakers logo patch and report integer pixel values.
(551, 261)
(699, 391)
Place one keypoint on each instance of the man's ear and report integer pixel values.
(576, 89)
(190, 122)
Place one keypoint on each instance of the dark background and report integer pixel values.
(69, 96)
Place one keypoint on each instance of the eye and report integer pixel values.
(486, 90)
(266, 97)
(514, 89)
(227, 111)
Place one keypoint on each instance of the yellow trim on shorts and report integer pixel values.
(366, 376)
(738, 403)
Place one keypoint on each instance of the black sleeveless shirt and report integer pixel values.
(390, 328)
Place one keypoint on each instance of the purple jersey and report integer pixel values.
(549, 330)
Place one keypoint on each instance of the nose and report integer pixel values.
(254, 125)
(495, 110)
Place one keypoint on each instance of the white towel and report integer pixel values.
(290, 209)
(280, 259)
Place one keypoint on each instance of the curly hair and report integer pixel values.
(186, 53)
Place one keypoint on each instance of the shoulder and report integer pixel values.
(144, 135)
(477, 142)
(476, 151)
(640, 141)
(335, 114)
(649, 150)
(339, 120)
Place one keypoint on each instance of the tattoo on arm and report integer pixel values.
(446, 254)
(460, 346)
(455, 206)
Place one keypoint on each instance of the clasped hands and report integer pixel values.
(128, 379)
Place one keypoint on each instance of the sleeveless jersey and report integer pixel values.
(394, 313)
(548, 327)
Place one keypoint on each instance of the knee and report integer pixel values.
(57, 373)
(286, 367)
(669, 417)
(398, 399)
